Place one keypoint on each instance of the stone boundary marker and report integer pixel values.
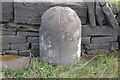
(22, 29)
(60, 36)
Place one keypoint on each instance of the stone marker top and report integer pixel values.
(58, 10)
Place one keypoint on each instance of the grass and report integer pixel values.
(97, 66)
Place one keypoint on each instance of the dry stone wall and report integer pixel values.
(21, 21)
(19, 39)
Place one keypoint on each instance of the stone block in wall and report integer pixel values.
(19, 27)
(114, 46)
(33, 39)
(109, 15)
(4, 46)
(85, 40)
(95, 40)
(91, 13)
(99, 31)
(29, 29)
(12, 39)
(6, 11)
(84, 21)
(32, 34)
(118, 17)
(36, 10)
(119, 31)
(1, 26)
(10, 26)
(104, 46)
(97, 51)
(35, 46)
(24, 53)
(20, 46)
(6, 32)
(11, 52)
(34, 53)
(118, 38)
(100, 17)
(119, 42)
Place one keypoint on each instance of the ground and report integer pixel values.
(89, 66)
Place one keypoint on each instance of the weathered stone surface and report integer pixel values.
(118, 17)
(32, 34)
(97, 51)
(119, 31)
(104, 46)
(7, 11)
(11, 52)
(36, 10)
(60, 38)
(19, 27)
(1, 26)
(32, 53)
(109, 15)
(99, 31)
(100, 17)
(119, 42)
(20, 46)
(91, 13)
(33, 39)
(4, 46)
(24, 53)
(1, 53)
(35, 46)
(79, 8)
(85, 40)
(0, 12)
(35, 53)
(12, 39)
(5, 32)
(84, 20)
(16, 64)
(104, 39)
(30, 28)
(10, 27)
(114, 46)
